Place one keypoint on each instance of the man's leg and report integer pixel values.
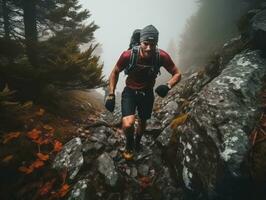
(128, 106)
(144, 107)
(128, 128)
(140, 130)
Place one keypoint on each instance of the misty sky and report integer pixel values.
(118, 19)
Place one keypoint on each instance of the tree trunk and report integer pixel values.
(31, 35)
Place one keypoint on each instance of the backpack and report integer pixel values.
(134, 46)
(134, 40)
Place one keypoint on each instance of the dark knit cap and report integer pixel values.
(149, 33)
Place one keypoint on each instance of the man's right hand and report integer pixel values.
(110, 102)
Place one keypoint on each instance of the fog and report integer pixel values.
(118, 18)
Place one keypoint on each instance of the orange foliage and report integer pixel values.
(47, 187)
(26, 170)
(57, 146)
(35, 165)
(63, 190)
(8, 158)
(42, 157)
(34, 134)
(11, 136)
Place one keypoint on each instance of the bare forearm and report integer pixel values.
(113, 81)
(175, 79)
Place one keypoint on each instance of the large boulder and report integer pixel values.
(70, 157)
(107, 168)
(214, 141)
(258, 30)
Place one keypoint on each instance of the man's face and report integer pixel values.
(147, 48)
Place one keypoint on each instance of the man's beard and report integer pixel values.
(147, 54)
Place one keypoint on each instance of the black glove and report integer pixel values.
(162, 90)
(110, 102)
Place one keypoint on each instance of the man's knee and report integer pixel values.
(128, 122)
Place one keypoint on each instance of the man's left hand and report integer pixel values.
(162, 90)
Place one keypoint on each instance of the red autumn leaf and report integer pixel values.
(26, 170)
(34, 134)
(63, 190)
(8, 158)
(37, 164)
(57, 146)
(47, 187)
(11, 136)
(42, 157)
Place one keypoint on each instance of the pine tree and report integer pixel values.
(51, 33)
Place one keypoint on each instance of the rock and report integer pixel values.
(171, 107)
(113, 153)
(134, 172)
(165, 136)
(79, 191)
(100, 134)
(107, 168)
(153, 124)
(70, 157)
(214, 143)
(258, 30)
(143, 169)
(166, 186)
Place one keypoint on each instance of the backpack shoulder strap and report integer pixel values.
(133, 60)
(157, 63)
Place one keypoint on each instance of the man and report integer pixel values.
(138, 93)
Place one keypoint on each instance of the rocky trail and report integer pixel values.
(205, 140)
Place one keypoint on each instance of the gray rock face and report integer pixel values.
(167, 186)
(214, 141)
(258, 29)
(107, 168)
(70, 157)
(165, 136)
(79, 191)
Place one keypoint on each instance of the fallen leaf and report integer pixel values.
(11, 136)
(128, 155)
(40, 112)
(57, 146)
(8, 158)
(47, 187)
(26, 170)
(42, 157)
(37, 164)
(63, 190)
(34, 134)
(180, 119)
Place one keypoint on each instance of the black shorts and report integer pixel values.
(140, 100)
